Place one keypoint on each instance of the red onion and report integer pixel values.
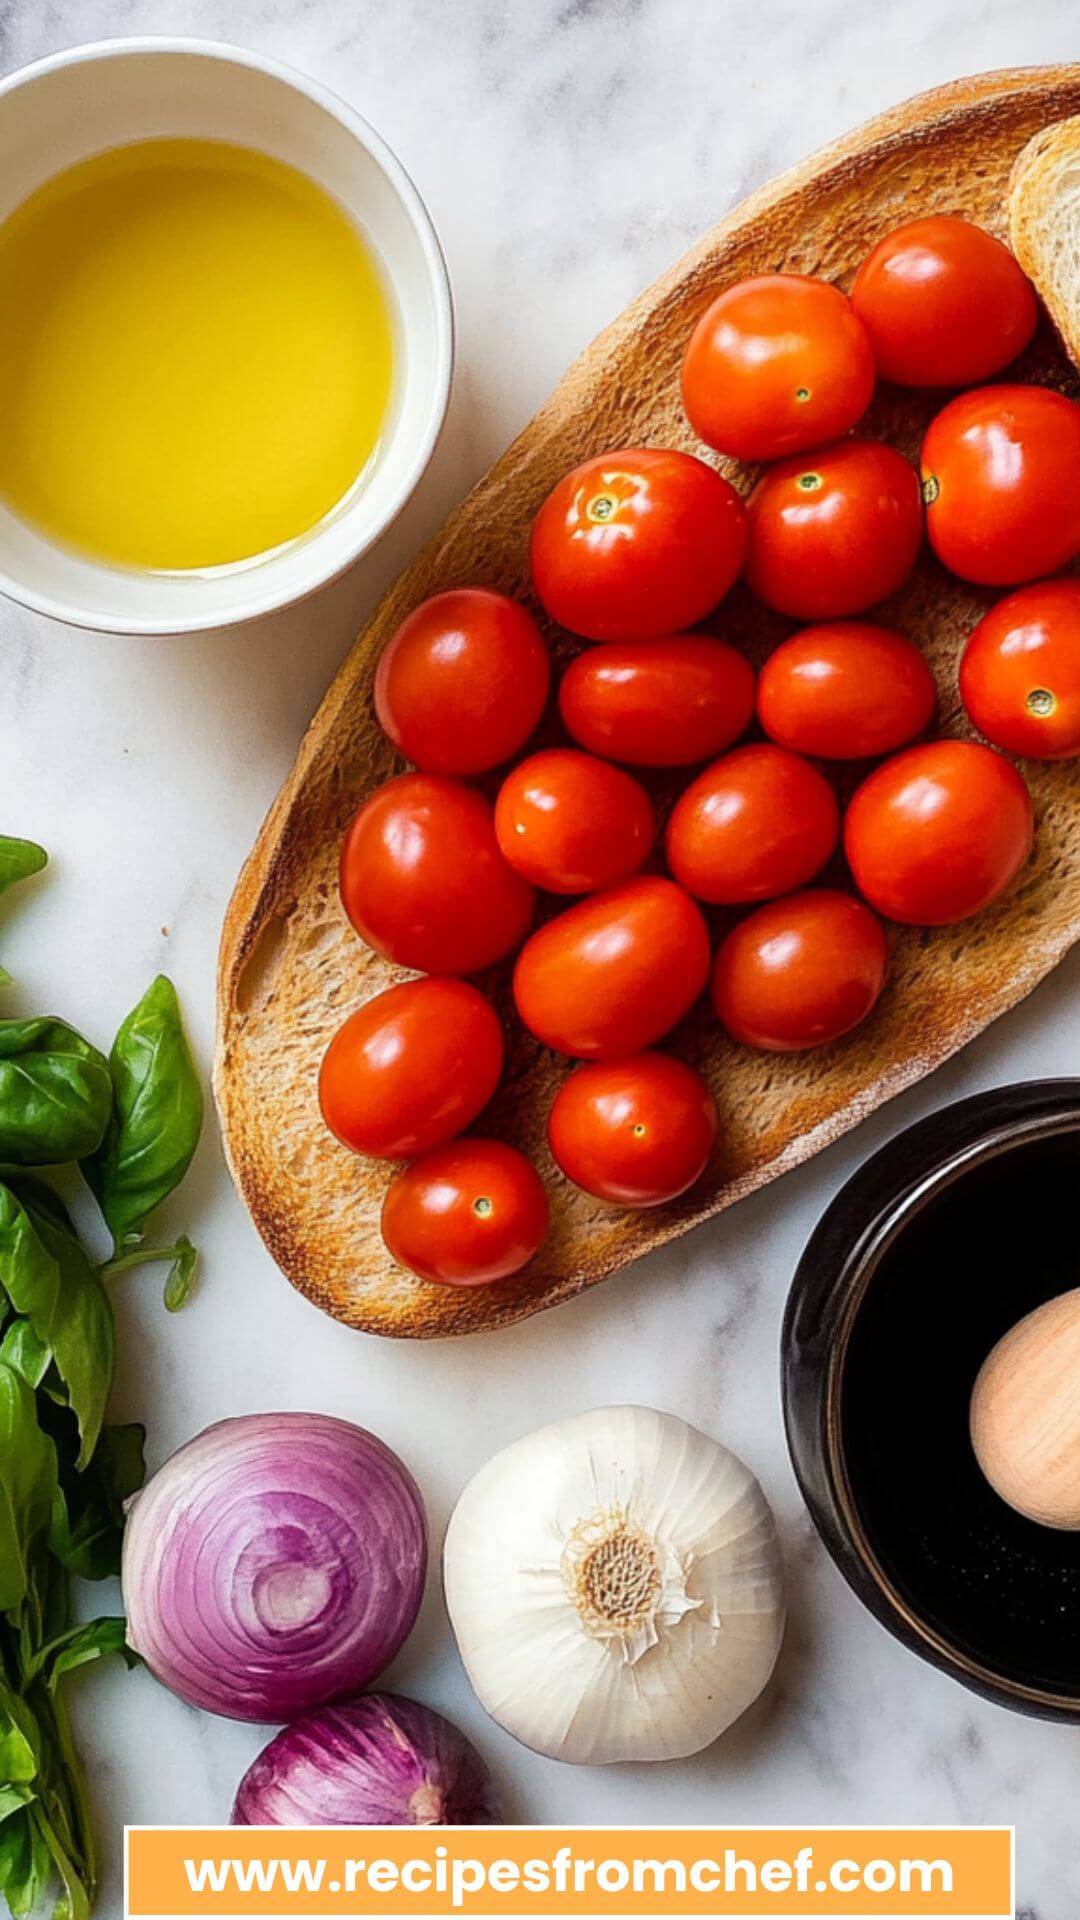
(377, 1762)
(275, 1562)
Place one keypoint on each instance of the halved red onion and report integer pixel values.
(381, 1762)
(273, 1563)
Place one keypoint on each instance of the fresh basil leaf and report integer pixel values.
(82, 1334)
(18, 860)
(156, 1118)
(180, 1280)
(25, 1352)
(19, 1742)
(12, 1798)
(37, 1193)
(25, 1861)
(88, 1519)
(48, 1278)
(28, 1486)
(55, 1093)
(92, 1641)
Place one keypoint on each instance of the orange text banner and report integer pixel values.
(898, 1873)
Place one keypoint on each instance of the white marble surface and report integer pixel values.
(568, 150)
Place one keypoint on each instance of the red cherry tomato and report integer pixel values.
(936, 833)
(658, 703)
(637, 1132)
(570, 823)
(411, 1067)
(423, 881)
(846, 691)
(614, 972)
(775, 365)
(635, 543)
(462, 683)
(759, 821)
(1020, 672)
(800, 972)
(944, 304)
(1001, 480)
(466, 1214)
(833, 532)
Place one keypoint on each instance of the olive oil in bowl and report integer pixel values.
(196, 356)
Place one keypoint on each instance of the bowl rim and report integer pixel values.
(830, 1282)
(69, 612)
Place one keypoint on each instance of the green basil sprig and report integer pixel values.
(55, 1094)
(132, 1122)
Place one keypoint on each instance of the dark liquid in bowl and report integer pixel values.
(985, 1251)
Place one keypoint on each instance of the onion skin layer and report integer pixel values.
(275, 1562)
(381, 1761)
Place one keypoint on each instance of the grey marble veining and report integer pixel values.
(568, 149)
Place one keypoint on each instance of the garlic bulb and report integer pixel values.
(615, 1587)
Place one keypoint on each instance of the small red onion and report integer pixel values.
(273, 1563)
(377, 1762)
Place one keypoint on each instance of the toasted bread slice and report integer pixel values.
(1044, 224)
(291, 967)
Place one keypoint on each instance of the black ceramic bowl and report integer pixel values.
(939, 1244)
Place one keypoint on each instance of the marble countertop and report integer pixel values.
(568, 150)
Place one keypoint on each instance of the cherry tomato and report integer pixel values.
(411, 1067)
(800, 972)
(636, 543)
(845, 691)
(658, 703)
(465, 1214)
(775, 365)
(944, 304)
(936, 833)
(637, 1131)
(614, 972)
(570, 823)
(759, 821)
(1001, 481)
(462, 683)
(1020, 672)
(833, 532)
(423, 881)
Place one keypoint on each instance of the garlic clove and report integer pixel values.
(614, 1584)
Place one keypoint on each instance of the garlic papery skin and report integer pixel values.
(615, 1587)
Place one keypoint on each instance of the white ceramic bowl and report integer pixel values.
(90, 98)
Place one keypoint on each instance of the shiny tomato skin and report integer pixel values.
(936, 833)
(411, 1067)
(466, 1214)
(944, 304)
(571, 823)
(637, 542)
(845, 691)
(1020, 672)
(658, 703)
(758, 822)
(423, 881)
(463, 682)
(777, 364)
(614, 972)
(800, 972)
(636, 1132)
(834, 531)
(1001, 479)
